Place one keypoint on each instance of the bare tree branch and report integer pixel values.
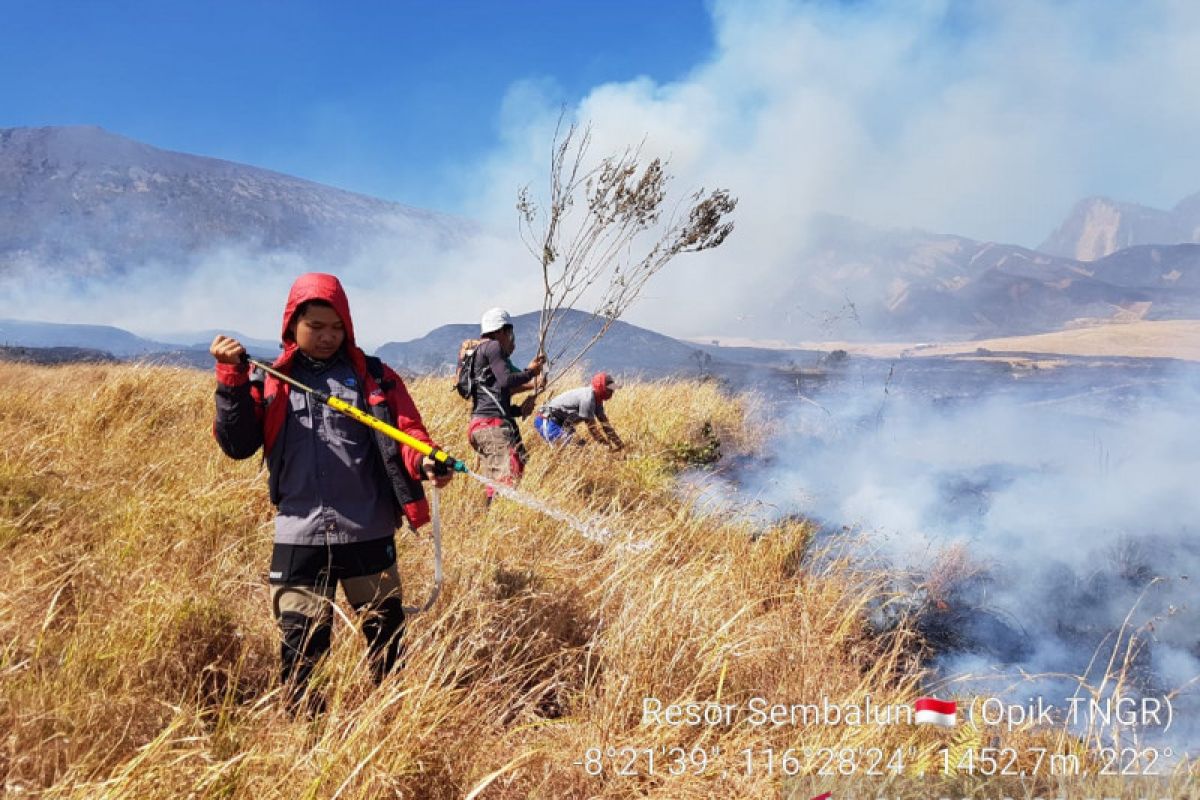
(602, 235)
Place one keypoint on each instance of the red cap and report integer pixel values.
(603, 385)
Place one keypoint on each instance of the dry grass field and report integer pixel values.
(138, 655)
(1142, 339)
(1139, 339)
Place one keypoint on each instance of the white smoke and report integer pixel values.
(1079, 508)
(988, 120)
(399, 288)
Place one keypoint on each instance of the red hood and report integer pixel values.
(318, 286)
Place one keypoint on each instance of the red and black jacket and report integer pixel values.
(251, 413)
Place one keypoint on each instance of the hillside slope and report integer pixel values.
(86, 203)
(853, 281)
(83, 208)
(625, 348)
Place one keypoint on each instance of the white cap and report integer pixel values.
(493, 320)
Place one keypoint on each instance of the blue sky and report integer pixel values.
(386, 98)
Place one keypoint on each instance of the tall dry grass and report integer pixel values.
(137, 652)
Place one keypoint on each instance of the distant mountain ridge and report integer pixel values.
(79, 205)
(624, 348)
(1098, 227)
(117, 341)
(90, 203)
(108, 339)
(873, 283)
(202, 339)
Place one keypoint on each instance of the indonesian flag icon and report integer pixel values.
(931, 711)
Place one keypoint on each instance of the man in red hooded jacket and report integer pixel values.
(339, 487)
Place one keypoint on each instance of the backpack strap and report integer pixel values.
(405, 489)
(479, 375)
(375, 370)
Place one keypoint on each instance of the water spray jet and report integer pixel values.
(443, 464)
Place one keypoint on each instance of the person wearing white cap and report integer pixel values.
(557, 419)
(493, 431)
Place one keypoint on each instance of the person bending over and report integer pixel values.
(556, 421)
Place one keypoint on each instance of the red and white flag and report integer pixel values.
(931, 711)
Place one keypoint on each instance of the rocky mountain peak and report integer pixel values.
(1099, 226)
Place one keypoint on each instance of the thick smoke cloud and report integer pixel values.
(1038, 522)
(1071, 494)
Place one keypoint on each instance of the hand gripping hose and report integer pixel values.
(443, 459)
(338, 404)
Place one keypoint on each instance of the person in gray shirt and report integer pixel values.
(557, 419)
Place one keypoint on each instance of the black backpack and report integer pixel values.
(464, 376)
